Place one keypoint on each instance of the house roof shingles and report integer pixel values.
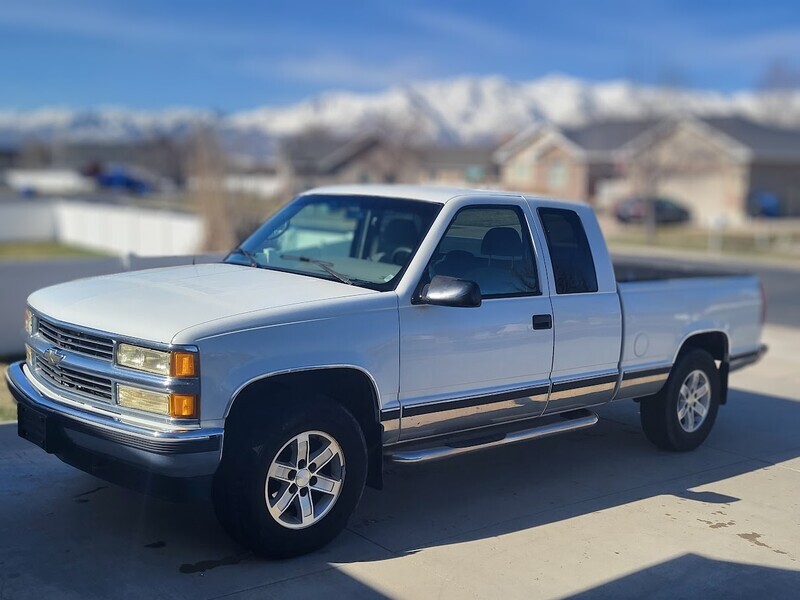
(607, 136)
(765, 142)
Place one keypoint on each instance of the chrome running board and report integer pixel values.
(571, 421)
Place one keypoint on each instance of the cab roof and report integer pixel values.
(424, 193)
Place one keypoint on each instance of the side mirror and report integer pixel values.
(449, 291)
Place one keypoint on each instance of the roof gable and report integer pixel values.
(538, 138)
(324, 154)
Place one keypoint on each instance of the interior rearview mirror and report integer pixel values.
(450, 291)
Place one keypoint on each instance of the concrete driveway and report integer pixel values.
(595, 514)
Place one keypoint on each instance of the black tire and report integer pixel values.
(659, 413)
(239, 486)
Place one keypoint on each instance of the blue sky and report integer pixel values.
(230, 54)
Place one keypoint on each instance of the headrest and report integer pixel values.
(502, 241)
(399, 233)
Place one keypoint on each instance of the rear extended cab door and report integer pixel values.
(587, 316)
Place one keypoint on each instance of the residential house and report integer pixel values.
(720, 168)
(724, 168)
(313, 160)
(565, 162)
(9, 157)
(460, 166)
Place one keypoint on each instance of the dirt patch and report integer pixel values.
(8, 408)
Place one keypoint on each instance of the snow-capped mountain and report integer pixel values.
(460, 110)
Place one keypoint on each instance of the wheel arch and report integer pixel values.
(713, 341)
(717, 344)
(351, 386)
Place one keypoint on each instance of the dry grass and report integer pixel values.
(38, 250)
(8, 408)
(778, 245)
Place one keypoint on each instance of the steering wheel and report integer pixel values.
(399, 251)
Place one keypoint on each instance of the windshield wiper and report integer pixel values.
(322, 264)
(251, 256)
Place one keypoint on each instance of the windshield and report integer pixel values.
(362, 240)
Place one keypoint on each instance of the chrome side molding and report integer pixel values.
(572, 421)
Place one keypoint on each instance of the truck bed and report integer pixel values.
(632, 270)
(664, 303)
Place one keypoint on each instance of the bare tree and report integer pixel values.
(655, 160)
(658, 93)
(649, 167)
(400, 139)
(34, 155)
(780, 88)
(206, 169)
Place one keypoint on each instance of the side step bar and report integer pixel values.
(572, 421)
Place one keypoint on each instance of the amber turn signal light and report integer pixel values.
(182, 406)
(183, 364)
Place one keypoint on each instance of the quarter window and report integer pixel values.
(490, 246)
(573, 265)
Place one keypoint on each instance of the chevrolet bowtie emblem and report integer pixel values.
(53, 356)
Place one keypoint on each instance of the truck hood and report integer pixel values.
(156, 304)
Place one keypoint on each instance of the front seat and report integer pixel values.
(502, 243)
(503, 248)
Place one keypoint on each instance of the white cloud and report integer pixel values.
(759, 47)
(99, 21)
(339, 70)
(465, 28)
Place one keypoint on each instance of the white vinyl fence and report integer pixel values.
(119, 230)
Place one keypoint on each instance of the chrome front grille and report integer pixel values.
(76, 341)
(73, 380)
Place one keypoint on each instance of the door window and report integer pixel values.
(492, 247)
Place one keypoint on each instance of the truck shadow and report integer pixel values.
(527, 485)
(693, 576)
(67, 532)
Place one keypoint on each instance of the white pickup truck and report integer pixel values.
(365, 323)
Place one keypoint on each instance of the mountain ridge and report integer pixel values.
(459, 110)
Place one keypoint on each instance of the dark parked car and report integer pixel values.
(634, 210)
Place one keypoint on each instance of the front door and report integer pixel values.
(462, 368)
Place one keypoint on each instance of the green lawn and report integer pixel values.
(8, 409)
(38, 250)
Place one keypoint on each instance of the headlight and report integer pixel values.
(173, 364)
(181, 406)
(30, 322)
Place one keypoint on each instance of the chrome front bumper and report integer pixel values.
(72, 434)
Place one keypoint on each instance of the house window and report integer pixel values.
(557, 175)
(474, 173)
(522, 171)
